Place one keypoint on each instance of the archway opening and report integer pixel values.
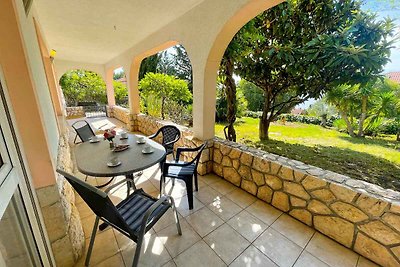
(166, 85)
(120, 87)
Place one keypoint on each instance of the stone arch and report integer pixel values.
(205, 113)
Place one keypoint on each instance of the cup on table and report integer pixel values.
(147, 149)
(124, 134)
(142, 139)
(114, 160)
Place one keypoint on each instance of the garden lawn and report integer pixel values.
(375, 160)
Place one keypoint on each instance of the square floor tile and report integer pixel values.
(105, 246)
(363, 262)
(224, 208)
(207, 195)
(153, 252)
(177, 190)
(84, 210)
(182, 205)
(176, 243)
(263, 211)
(209, 178)
(87, 225)
(294, 230)
(308, 260)
(167, 219)
(200, 254)
(252, 257)
(223, 187)
(278, 248)
(226, 242)
(241, 198)
(328, 250)
(247, 225)
(204, 221)
(171, 263)
(115, 261)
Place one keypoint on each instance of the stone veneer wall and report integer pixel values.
(359, 215)
(61, 217)
(75, 112)
(363, 217)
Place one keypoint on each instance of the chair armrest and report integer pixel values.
(150, 211)
(116, 184)
(152, 136)
(179, 151)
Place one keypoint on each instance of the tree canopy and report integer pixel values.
(166, 88)
(302, 48)
(83, 85)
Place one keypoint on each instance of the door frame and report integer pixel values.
(20, 179)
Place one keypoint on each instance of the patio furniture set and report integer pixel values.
(135, 215)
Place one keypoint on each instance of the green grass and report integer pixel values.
(376, 160)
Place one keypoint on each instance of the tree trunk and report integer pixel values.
(265, 119)
(264, 128)
(363, 116)
(230, 91)
(350, 129)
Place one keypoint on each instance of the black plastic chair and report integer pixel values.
(133, 217)
(170, 135)
(83, 130)
(186, 171)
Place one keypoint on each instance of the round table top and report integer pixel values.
(92, 158)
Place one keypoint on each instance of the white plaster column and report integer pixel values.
(110, 87)
(204, 100)
(132, 76)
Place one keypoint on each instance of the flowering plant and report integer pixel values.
(109, 134)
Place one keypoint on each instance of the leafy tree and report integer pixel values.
(166, 88)
(121, 93)
(254, 95)
(149, 64)
(321, 108)
(301, 48)
(83, 85)
(175, 61)
(118, 75)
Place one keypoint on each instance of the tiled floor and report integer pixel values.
(226, 227)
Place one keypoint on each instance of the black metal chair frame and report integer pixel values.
(171, 135)
(188, 179)
(106, 211)
(77, 133)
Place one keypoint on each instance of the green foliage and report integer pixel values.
(118, 75)
(222, 105)
(149, 64)
(121, 94)
(300, 48)
(307, 119)
(321, 108)
(253, 94)
(158, 91)
(83, 85)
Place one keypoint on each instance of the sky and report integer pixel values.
(391, 9)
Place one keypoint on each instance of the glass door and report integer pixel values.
(22, 238)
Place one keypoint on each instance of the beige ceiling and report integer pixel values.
(96, 31)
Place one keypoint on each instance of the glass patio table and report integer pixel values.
(92, 158)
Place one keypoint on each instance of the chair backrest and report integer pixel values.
(98, 201)
(83, 130)
(170, 133)
(199, 151)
